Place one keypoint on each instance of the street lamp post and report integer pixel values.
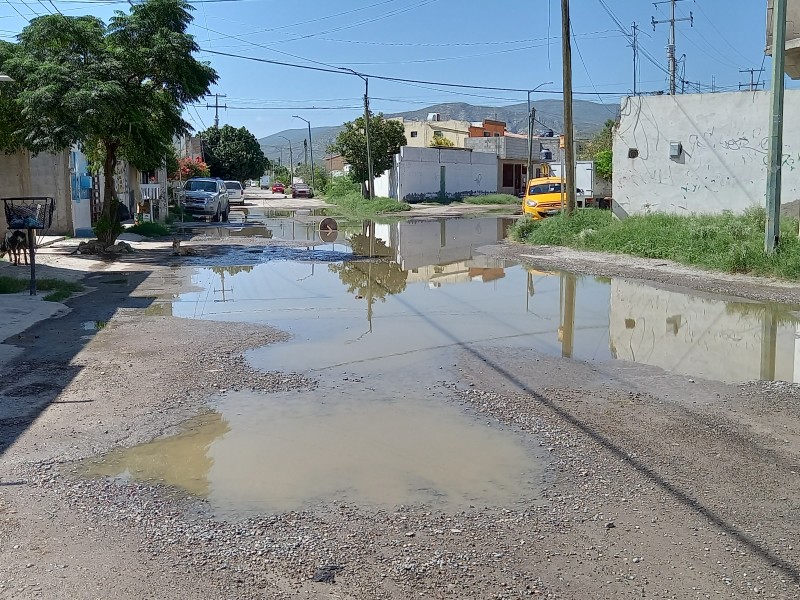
(366, 128)
(531, 118)
(311, 146)
(291, 159)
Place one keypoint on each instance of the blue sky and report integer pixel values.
(478, 42)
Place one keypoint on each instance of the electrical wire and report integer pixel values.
(16, 11)
(585, 68)
(394, 79)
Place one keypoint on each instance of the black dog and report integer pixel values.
(14, 244)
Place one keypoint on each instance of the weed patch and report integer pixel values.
(58, 288)
(729, 242)
(149, 229)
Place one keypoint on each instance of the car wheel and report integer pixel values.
(216, 216)
(224, 216)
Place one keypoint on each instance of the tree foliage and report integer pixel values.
(385, 138)
(190, 167)
(376, 279)
(116, 89)
(439, 141)
(600, 149)
(320, 175)
(233, 154)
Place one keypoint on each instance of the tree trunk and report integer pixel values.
(109, 228)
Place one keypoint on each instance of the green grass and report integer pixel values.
(58, 288)
(345, 195)
(729, 242)
(149, 229)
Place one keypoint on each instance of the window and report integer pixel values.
(487, 134)
(413, 134)
(508, 175)
(496, 135)
(544, 188)
(233, 185)
(201, 186)
(438, 134)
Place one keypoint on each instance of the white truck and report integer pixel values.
(264, 182)
(593, 189)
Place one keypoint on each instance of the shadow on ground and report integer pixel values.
(45, 366)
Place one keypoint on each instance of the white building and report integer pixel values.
(701, 153)
(423, 173)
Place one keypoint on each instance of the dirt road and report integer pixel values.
(656, 485)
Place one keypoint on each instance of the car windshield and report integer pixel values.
(201, 186)
(300, 186)
(544, 188)
(233, 185)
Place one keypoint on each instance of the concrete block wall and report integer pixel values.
(723, 163)
(44, 174)
(417, 173)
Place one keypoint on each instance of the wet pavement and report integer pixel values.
(377, 316)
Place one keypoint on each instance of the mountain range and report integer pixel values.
(589, 118)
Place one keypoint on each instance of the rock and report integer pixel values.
(326, 573)
(610, 525)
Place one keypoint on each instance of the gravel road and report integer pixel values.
(659, 486)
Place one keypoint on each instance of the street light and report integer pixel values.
(311, 145)
(291, 158)
(530, 131)
(366, 127)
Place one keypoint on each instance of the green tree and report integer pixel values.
(600, 149)
(116, 89)
(233, 153)
(439, 141)
(385, 138)
(375, 279)
(320, 176)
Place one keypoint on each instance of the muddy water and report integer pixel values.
(377, 317)
(429, 288)
(267, 453)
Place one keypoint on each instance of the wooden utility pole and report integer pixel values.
(569, 127)
(775, 150)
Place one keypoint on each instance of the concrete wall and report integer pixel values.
(792, 36)
(42, 175)
(723, 163)
(689, 333)
(453, 130)
(418, 174)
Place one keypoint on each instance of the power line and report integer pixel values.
(580, 55)
(394, 79)
(16, 11)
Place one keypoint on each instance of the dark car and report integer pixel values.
(277, 188)
(206, 197)
(302, 190)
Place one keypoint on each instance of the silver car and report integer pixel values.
(206, 197)
(235, 192)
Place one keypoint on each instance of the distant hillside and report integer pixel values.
(589, 118)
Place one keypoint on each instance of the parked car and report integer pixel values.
(206, 197)
(277, 188)
(235, 192)
(302, 190)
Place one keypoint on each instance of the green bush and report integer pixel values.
(149, 229)
(728, 242)
(493, 199)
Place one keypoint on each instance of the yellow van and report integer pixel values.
(542, 198)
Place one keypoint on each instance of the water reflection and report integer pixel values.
(435, 290)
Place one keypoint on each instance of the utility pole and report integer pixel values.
(635, 46)
(775, 152)
(569, 127)
(366, 134)
(365, 79)
(311, 146)
(753, 85)
(531, 122)
(216, 106)
(291, 159)
(672, 62)
(305, 153)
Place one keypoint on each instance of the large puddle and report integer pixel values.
(428, 288)
(379, 334)
(279, 452)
